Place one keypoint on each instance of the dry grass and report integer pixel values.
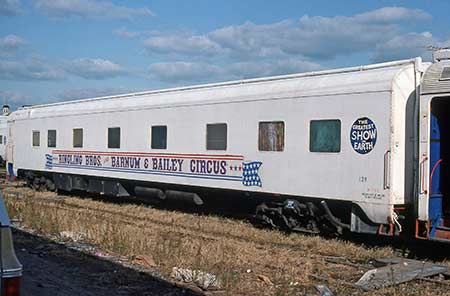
(293, 263)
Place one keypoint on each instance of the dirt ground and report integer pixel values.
(53, 269)
(75, 245)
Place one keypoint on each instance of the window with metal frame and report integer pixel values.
(77, 138)
(216, 136)
(36, 138)
(271, 136)
(51, 138)
(114, 137)
(159, 137)
(445, 75)
(325, 135)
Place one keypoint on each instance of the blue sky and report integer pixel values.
(54, 50)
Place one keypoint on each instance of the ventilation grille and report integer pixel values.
(436, 79)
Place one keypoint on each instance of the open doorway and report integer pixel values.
(440, 161)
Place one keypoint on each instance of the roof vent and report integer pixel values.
(441, 54)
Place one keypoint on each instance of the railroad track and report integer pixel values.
(181, 229)
(66, 202)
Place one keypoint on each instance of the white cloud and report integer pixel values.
(181, 44)
(308, 38)
(90, 9)
(84, 93)
(28, 70)
(270, 68)
(176, 72)
(10, 44)
(10, 7)
(123, 32)
(94, 68)
(198, 72)
(14, 98)
(392, 14)
(405, 46)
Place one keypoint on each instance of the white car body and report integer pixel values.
(376, 181)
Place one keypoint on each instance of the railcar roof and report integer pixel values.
(369, 78)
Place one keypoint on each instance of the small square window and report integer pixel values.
(271, 136)
(445, 75)
(159, 137)
(114, 137)
(216, 136)
(51, 138)
(77, 138)
(325, 136)
(36, 138)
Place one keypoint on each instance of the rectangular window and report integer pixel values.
(1, 139)
(271, 136)
(51, 138)
(77, 138)
(114, 137)
(325, 136)
(36, 138)
(216, 136)
(159, 137)
(445, 75)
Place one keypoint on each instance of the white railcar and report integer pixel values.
(3, 132)
(348, 137)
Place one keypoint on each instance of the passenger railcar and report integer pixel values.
(3, 132)
(357, 143)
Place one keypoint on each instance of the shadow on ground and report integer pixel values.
(53, 269)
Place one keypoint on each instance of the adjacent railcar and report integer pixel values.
(3, 132)
(312, 145)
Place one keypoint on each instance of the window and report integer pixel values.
(4, 140)
(77, 138)
(51, 138)
(271, 136)
(216, 136)
(159, 137)
(1, 139)
(114, 137)
(36, 139)
(445, 75)
(325, 136)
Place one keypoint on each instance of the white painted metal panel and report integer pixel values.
(346, 95)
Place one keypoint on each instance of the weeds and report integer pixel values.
(223, 247)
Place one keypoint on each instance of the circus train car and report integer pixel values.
(3, 132)
(352, 148)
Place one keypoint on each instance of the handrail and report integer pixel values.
(435, 166)
(386, 174)
(423, 190)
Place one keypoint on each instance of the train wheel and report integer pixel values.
(50, 186)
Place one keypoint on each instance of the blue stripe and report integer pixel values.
(190, 175)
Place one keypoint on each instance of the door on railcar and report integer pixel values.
(434, 155)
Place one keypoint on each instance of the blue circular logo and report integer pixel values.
(363, 135)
